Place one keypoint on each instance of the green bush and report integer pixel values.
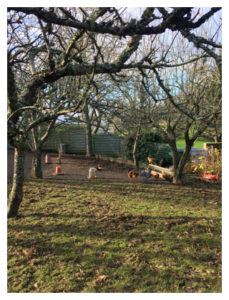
(163, 156)
(149, 145)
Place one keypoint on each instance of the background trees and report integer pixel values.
(194, 104)
(48, 44)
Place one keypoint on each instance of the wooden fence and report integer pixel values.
(75, 141)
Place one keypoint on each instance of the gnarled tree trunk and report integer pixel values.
(38, 138)
(179, 160)
(16, 194)
(178, 170)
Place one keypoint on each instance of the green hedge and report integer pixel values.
(150, 145)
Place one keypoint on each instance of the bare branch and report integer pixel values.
(175, 20)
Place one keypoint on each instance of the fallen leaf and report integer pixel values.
(159, 266)
(29, 252)
(101, 278)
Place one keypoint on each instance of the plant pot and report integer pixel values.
(210, 177)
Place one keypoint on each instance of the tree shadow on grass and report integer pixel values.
(121, 246)
(124, 227)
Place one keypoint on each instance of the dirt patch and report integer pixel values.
(72, 166)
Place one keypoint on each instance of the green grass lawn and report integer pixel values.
(199, 143)
(98, 236)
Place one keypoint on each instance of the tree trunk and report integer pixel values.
(89, 147)
(178, 170)
(16, 194)
(134, 153)
(178, 176)
(36, 171)
(175, 153)
(179, 161)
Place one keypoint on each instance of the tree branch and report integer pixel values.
(175, 20)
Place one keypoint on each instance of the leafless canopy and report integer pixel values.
(47, 44)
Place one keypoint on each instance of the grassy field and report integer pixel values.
(199, 143)
(98, 236)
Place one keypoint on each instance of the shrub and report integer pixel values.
(149, 145)
(209, 164)
(163, 156)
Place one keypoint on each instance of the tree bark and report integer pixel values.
(89, 147)
(36, 171)
(16, 194)
(135, 156)
(178, 170)
(134, 153)
(175, 153)
(37, 142)
(179, 161)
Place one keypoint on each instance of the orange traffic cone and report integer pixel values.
(47, 159)
(58, 171)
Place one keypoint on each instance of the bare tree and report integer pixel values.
(39, 135)
(182, 104)
(193, 93)
(44, 42)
